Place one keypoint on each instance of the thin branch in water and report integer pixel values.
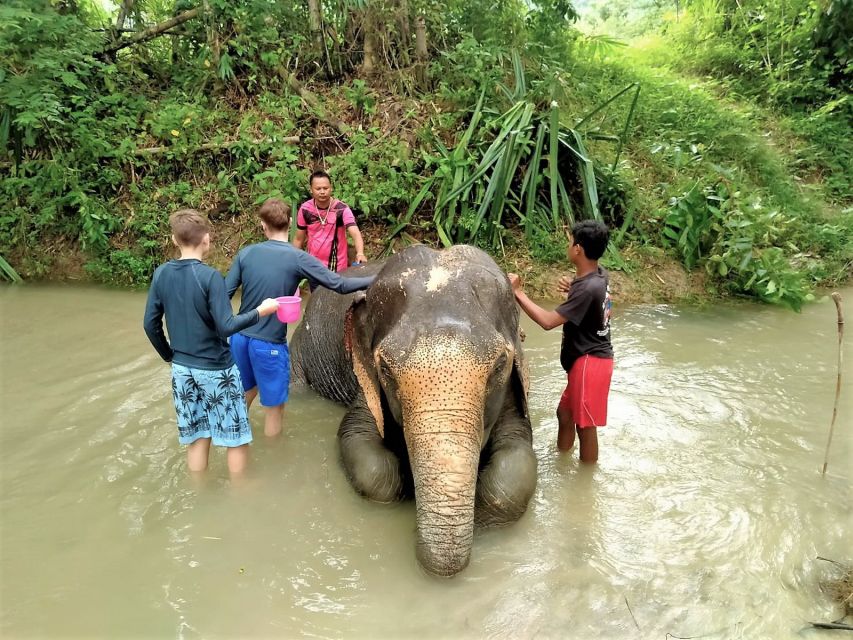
(835, 562)
(836, 298)
(632, 613)
(832, 625)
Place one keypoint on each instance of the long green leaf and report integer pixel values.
(8, 271)
(443, 236)
(531, 180)
(520, 81)
(624, 135)
(583, 120)
(567, 204)
(512, 117)
(402, 224)
(567, 141)
(475, 120)
(553, 167)
(500, 182)
(504, 181)
(487, 197)
(587, 174)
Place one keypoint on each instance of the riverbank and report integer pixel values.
(646, 275)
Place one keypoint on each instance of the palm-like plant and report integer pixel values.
(520, 161)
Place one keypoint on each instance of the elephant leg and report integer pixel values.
(373, 470)
(507, 476)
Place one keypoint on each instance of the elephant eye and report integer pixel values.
(501, 360)
(385, 371)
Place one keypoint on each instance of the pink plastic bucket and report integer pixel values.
(288, 309)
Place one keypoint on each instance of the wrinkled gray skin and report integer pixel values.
(430, 364)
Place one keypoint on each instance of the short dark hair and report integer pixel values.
(276, 214)
(592, 235)
(319, 173)
(189, 227)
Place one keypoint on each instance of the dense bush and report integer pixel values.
(510, 119)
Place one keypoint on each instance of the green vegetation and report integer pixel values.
(722, 133)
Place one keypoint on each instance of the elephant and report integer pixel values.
(429, 362)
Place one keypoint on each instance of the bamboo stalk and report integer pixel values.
(836, 298)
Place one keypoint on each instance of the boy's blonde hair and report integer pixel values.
(276, 214)
(189, 227)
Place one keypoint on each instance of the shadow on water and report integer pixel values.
(703, 517)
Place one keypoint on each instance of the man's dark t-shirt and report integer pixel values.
(587, 314)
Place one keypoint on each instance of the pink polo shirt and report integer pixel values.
(327, 231)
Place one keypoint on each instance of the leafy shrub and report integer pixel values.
(740, 243)
(547, 247)
(375, 178)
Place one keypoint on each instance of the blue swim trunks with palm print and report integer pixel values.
(210, 404)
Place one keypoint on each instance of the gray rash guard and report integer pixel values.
(198, 315)
(273, 269)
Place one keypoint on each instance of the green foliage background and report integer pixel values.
(720, 132)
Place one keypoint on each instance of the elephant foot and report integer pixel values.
(505, 486)
(372, 469)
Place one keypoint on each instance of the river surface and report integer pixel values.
(704, 516)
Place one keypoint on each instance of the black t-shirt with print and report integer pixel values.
(587, 314)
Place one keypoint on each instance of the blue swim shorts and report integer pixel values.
(265, 365)
(210, 404)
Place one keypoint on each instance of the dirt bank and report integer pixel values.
(650, 276)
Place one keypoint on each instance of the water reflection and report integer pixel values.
(703, 517)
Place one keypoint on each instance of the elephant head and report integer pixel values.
(434, 345)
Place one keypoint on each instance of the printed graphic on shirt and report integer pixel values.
(606, 308)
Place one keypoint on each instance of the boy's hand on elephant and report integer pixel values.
(515, 281)
(564, 284)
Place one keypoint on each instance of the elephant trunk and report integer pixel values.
(444, 451)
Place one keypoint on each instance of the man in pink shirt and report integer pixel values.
(325, 222)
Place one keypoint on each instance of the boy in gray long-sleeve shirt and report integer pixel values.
(205, 381)
(273, 269)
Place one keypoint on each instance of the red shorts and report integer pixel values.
(586, 393)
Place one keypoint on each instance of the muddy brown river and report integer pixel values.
(703, 518)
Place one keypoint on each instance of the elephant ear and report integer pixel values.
(358, 348)
(520, 379)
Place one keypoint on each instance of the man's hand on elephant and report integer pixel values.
(515, 281)
(360, 258)
(564, 284)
